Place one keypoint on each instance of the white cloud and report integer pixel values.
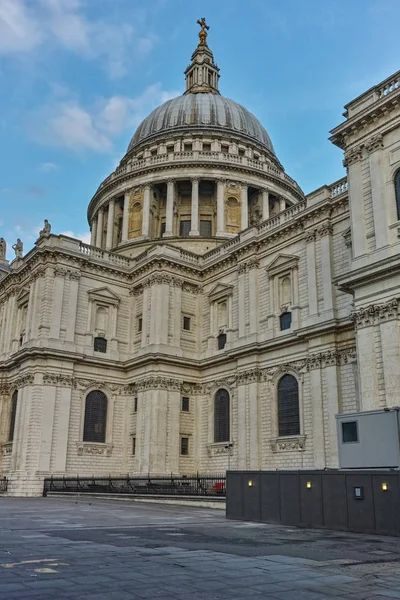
(79, 128)
(25, 26)
(19, 32)
(84, 237)
(48, 166)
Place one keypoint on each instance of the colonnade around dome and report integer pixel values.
(188, 207)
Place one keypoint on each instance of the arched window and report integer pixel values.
(14, 400)
(397, 188)
(221, 416)
(288, 406)
(94, 429)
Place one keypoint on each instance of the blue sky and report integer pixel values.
(77, 76)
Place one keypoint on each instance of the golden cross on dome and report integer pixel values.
(203, 33)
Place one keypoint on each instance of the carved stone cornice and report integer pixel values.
(22, 381)
(287, 443)
(353, 155)
(158, 383)
(374, 143)
(310, 235)
(325, 229)
(250, 376)
(192, 288)
(58, 380)
(5, 387)
(7, 448)
(94, 449)
(375, 314)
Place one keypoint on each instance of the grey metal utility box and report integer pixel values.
(369, 440)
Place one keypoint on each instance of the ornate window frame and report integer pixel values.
(96, 448)
(288, 442)
(103, 298)
(218, 448)
(220, 293)
(283, 266)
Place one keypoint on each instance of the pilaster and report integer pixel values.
(356, 201)
(146, 211)
(265, 205)
(220, 207)
(244, 206)
(194, 228)
(125, 218)
(99, 230)
(169, 217)
(377, 169)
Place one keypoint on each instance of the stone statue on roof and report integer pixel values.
(3, 249)
(18, 248)
(46, 229)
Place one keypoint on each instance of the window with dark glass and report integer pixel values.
(186, 323)
(184, 228)
(397, 188)
(153, 152)
(163, 228)
(207, 147)
(185, 404)
(184, 446)
(285, 320)
(100, 344)
(139, 324)
(94, 428)
(133, 446)
(136, 404)
(187, 147)
(221, 416)
(241, 152)
(349, 432)
(225, 149)
(221, 341)
(14, 400)
(288, 406)
(205, 228)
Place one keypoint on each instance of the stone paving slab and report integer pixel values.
(57, 548)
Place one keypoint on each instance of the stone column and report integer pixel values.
(253, 296)
(93, 232)
(325, 232)
(145, 314)
(242, 427)
(177, 312)
(146, 211)
(254, 425)
(58, 293)
(376, 165)
(317, 418)
(367, 364)
(311, 274)
(242, 300)
(72, 306)
(194, 228)
(99, 231)
(245, 207)
(265, 205)
(169, 216)
(125, 218)
(282, 204)
(356, 201)
(110, 224)
(391, 358)
(220, 207)
(332, 409)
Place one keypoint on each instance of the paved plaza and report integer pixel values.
(59, 548)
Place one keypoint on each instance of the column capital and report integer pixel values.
(195, 179)
(170, 180)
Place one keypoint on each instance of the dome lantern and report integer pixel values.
(202, 74)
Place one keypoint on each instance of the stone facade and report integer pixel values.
(201, 247)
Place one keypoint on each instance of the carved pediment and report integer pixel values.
(23, 297)
(347, 237)
(281, 263)
(105, 295)
(221, 290)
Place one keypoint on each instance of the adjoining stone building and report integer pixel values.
(216, 303)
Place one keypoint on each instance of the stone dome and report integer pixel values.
(201, 111)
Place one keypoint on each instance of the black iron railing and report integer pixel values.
(150, 485)
(3, 484)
